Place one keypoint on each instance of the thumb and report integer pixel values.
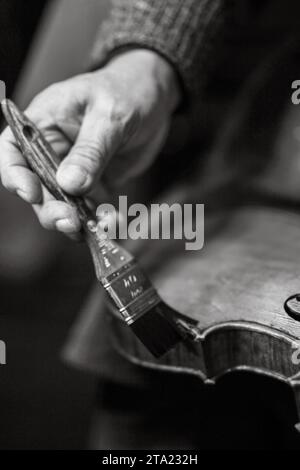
(97, 140)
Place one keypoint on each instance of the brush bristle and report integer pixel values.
(157, 330)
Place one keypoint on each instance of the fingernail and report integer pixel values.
(74, 176)
(66, 225)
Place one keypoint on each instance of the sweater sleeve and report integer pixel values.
(182, 31)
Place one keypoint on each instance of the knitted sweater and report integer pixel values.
(179, 30)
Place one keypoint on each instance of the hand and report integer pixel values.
(114, 119)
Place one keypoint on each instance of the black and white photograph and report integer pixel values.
(149, 228)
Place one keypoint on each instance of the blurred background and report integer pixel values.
(44, 278)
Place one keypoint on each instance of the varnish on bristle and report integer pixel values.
(139, 304)
(157, 331)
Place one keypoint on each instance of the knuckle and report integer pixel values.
(46, 218)
(87, 151)
(45, 223)
(120, 111)
(7, 181)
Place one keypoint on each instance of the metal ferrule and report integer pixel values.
(131, 291)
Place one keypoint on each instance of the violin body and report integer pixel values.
(234, 289)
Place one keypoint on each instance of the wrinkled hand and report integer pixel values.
(115, 118)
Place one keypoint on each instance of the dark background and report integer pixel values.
(43, 402)
(18, 21)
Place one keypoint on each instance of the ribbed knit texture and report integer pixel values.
(180, 30)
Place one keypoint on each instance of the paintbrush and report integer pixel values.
(156, 324)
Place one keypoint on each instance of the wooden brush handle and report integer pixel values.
(44, 162)
(108, 256)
